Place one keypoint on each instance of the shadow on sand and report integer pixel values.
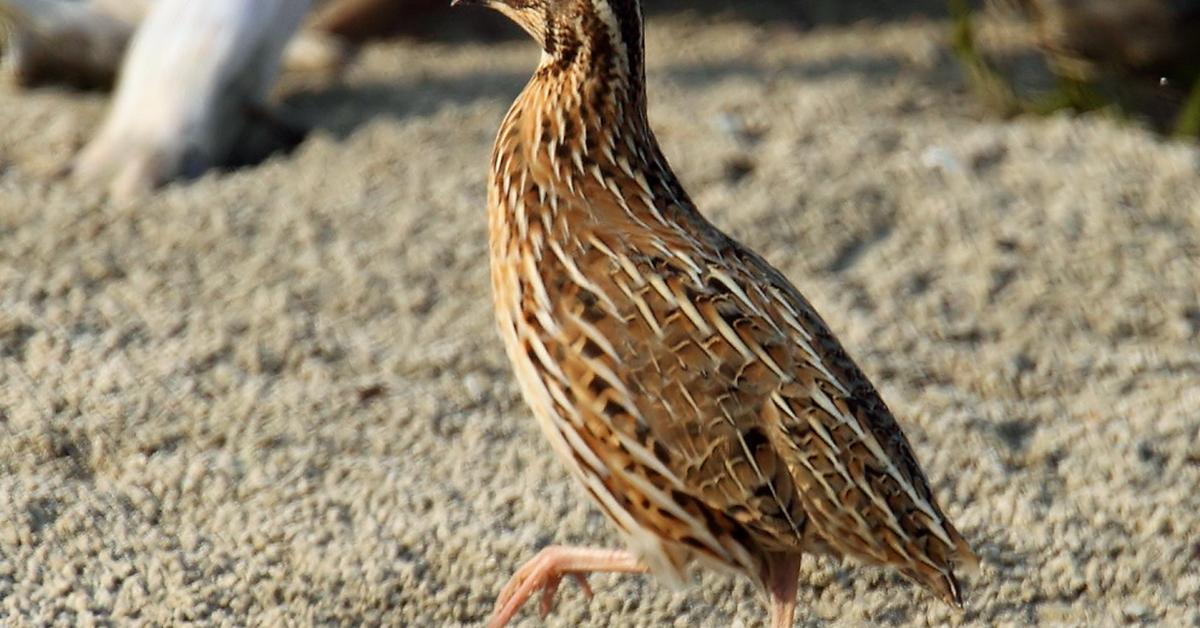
(341, 109)
(436, 20)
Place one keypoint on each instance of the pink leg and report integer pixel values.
(782, 582)
(545, 571)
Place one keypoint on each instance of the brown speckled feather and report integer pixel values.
(704, 405)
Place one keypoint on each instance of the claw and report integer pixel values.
(583, 584)
(546, 604)
(550, 589)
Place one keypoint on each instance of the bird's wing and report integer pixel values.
(858, 476)
(717, 375)
(673, 415)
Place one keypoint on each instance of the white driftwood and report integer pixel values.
(82, 43)
(194, 74)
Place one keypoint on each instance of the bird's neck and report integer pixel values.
(583, 116)
(595, 87)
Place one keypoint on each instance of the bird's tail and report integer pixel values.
(938, 575)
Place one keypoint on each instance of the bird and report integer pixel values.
(703, 405)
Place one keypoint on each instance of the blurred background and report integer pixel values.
(270, 391)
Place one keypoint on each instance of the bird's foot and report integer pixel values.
(546, 570)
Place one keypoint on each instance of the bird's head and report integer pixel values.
(564, 28)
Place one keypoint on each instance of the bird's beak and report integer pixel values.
(459, 3)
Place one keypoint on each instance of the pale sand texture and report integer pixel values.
(276, 396)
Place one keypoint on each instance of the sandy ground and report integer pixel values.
(276, 396)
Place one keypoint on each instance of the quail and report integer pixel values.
(701, 402)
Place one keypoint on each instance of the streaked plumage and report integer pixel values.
(703, 404)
